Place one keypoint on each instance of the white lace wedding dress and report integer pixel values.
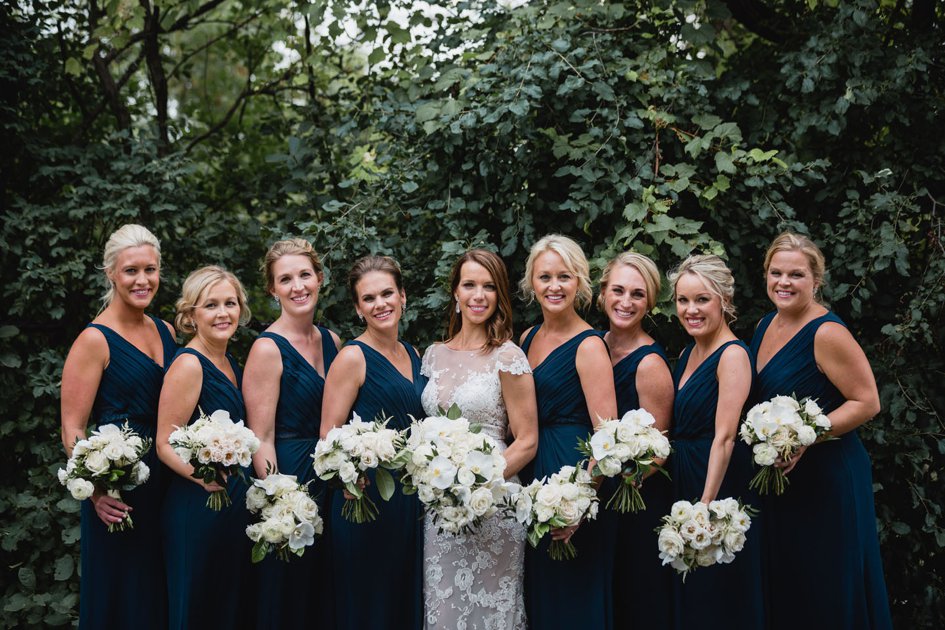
(473, 581)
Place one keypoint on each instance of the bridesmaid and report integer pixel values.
(643, 587)
(713, 380)
(376, 567)
(207, 553)
(574, 386)
(114, 373)
(283, 386)
(806, 350)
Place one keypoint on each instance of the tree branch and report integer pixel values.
(236, 26)
(759, 19)
(152, 55)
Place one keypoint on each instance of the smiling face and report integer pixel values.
(698, 308)
(625, 298)
(136, 276)
(296, 284)
(476, 294)
(217, 313)
(554, 284)
(790, 281)
(379, 301)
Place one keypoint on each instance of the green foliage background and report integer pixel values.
(667, 127)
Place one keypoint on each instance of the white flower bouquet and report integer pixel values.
(110, 460)
(699, 535)
(562, 500)
(348, 452)
(288, 517)
(456, 473)
(626, 447)
(216, 447)
(778, 428)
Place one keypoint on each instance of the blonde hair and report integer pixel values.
(715, 274)
(792, 242)
(646, 268)
(574, 260)
(125, 237)
(196, 284)
(288, 247)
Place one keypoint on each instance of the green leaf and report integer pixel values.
(8, 331)
(454, 412)
(385, 484)
(73, 67)
(260, 549)
(724, 162)
(64, 567)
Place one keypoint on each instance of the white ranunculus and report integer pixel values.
(764, 454)
(62, 475)
(670, 542)
(140, 473)
(681, 511)
(812, 409)
(610, 466)
(806, 435)
(255, 498)
(347, 472)
(480, 501)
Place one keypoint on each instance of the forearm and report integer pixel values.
(264, 459)
(719, 457)
(851, 415)
(172, 460)
(517, 455)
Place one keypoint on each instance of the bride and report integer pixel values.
(474, 580)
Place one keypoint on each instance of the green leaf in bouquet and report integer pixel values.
(260, 549)
(534, 536)
(475, 428)
(353, 488)
(454, 412)
(385, 484)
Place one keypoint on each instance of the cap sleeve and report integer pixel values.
(510, 358)
(429, 360)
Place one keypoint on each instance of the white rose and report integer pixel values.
(465, 476)
(764, 454)
(734, 541)
(681, 511)
(347, 472)
(114, 451)
(97, 463)
(806, 435)
(255, 498)
(80, 488)
(481, 501)
(610, 466)
(812, 409)
(140, 473)
(708, 556)
(63, 476)
(670, 542)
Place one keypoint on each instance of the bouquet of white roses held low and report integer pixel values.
(108, 460)
(288, 517)
(216, 447)
(562, 500)
(699, 535)
(626, 447)
(778, 428)
(455, 471)
(348, 452)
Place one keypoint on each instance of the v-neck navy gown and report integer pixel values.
(296, 593)
(643, 587)
(207, 553)
(574, 593)
(824, 568)
(122, 584)
(723, 596)
(377, 566)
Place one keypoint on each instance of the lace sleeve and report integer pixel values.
(510, 358)
(426, 365)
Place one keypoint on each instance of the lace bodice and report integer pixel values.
(470, 379)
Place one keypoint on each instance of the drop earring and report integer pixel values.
(276, 301)
(457, 307)
(360, 316)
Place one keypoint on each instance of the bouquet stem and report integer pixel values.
(125, 523)
(219, 500)
(561, 550)
(627, 498)
(360, 510)
(767, 477)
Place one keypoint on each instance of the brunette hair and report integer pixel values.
(365, 265)
(499, 326)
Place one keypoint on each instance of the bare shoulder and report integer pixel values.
(593, 345)
(350, 357)
(735, 357)
(90, 346)
(185, 367)
(264, 354)
(335, 338)
(834, 336)
(170, 328)
(652, 364)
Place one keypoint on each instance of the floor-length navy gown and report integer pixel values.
(824, 568)
(377, 566)
(122, 584)
(207, 553)
(643, 587)
(724, 596)
(567, 593)
(297, 593)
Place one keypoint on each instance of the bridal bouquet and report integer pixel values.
(562, 500)
(216, 447)
(110, 460)
(779, 427)
(455, 471)
(348, 452)
(626, 447)
(699, 535)
(289, 517)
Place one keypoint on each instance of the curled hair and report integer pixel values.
(288, 247)
(198, 283)
(367, 264)
(499, 325)
(128, 235)
(792, 242)
(716, 276)
(574, 260)
(644, 266)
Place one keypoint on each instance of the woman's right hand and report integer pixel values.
(363, 482)
(109, 510)
(213, 486)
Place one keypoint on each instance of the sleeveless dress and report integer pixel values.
(474, 580)
(724, 596)
(207, 553)
(831, 487)
(643, 587)
(574, 593)
(122, 584)
(376, 567)
(292, 594)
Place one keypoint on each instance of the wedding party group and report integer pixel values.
(566, 477)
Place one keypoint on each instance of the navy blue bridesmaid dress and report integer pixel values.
(824, 568)
(724, 596)
(643, 587)
(207, 553)
(297, 593)
(122, 584)
(567, 593)
(377, 566)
